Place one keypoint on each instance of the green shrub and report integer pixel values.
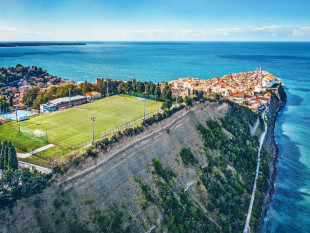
(187, 156)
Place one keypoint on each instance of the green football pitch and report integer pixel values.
(73, 126)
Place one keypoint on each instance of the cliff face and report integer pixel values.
(270, 153)
(171, 177)
(269, 159)
(277, 102)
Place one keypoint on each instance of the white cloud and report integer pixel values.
(298, 33)
(266, 28)
(15, 34)
(192, 32)
(225, 31)
(269, 32)
(18, 31)
(260, 31)
(301, 31)
(145, 33)
(296, 30)
(217, 31)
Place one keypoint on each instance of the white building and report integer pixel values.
(225, 93)
(216, 88)
(259, 88)
(237, 100)
(187, 85)
(269, 81)
(178, 84)
(22, 117)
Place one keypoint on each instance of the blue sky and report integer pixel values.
(151, 20)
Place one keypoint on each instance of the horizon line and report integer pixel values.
(55, 41)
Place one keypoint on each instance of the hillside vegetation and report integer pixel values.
(191, 172)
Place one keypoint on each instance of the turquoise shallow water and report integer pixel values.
(156, 61)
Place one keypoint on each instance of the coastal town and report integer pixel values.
(247, 88)
(15, 82)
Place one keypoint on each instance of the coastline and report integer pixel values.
(274, 168)
(28, 44)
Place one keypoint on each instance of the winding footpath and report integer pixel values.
(261, 141)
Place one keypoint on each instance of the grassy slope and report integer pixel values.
(9, 131)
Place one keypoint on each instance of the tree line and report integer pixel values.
(36, 96)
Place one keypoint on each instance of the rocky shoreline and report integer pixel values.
(274, 168)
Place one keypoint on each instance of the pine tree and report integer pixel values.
(1, 156)
(8, 161)
(5, 155)
(13, 162)
(158, 91)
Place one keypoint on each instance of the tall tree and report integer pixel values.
(140, 87)
(121, 88)
(5, 155)
(168, 104)
(158, 91)
(11, 100)
(3, 104)
(167, 93)
(180, 100)
(30, 96)
(100, 86)
(12, 158)
(129, 86)
(1, 156)
(150, 88)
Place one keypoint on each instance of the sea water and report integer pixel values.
(289, 210)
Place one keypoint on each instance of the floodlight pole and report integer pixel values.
(176, 97)
(108, 88)
(144, 109)
(93, 119)
(70, 96)
(16, 112)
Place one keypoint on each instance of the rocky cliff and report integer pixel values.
(192, 172)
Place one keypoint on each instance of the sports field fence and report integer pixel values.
(45, 156)
(15, 144)
(75, 150)
(106, 134)
(150, 97)
(109, 133)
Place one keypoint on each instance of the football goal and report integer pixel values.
(34, 134)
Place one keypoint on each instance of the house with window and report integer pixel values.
(93, 95)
